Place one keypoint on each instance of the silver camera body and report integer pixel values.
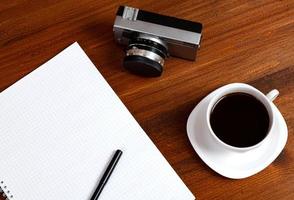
(150, 38)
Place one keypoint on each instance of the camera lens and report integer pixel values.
(145, 56)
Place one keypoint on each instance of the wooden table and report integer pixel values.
(250, 42)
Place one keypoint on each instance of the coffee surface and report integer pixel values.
(240, 120)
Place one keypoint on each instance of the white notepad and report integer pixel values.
(59, 127)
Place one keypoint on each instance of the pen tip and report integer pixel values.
(118, 151)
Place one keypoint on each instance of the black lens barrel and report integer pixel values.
(145, 57)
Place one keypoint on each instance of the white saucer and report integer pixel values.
(229, 163)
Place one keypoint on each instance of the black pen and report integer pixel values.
(107, 174)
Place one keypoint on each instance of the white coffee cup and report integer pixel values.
(231, 161)
(266, 100)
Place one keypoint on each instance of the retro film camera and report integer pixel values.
(150, 38)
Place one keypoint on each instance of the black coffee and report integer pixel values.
(240, 120)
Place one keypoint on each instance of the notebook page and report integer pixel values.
(59, 127)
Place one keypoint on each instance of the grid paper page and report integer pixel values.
(59, 127)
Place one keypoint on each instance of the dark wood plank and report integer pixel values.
(243, 41)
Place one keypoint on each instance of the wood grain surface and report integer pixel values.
(243, 41)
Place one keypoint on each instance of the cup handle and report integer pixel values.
(272, 95)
